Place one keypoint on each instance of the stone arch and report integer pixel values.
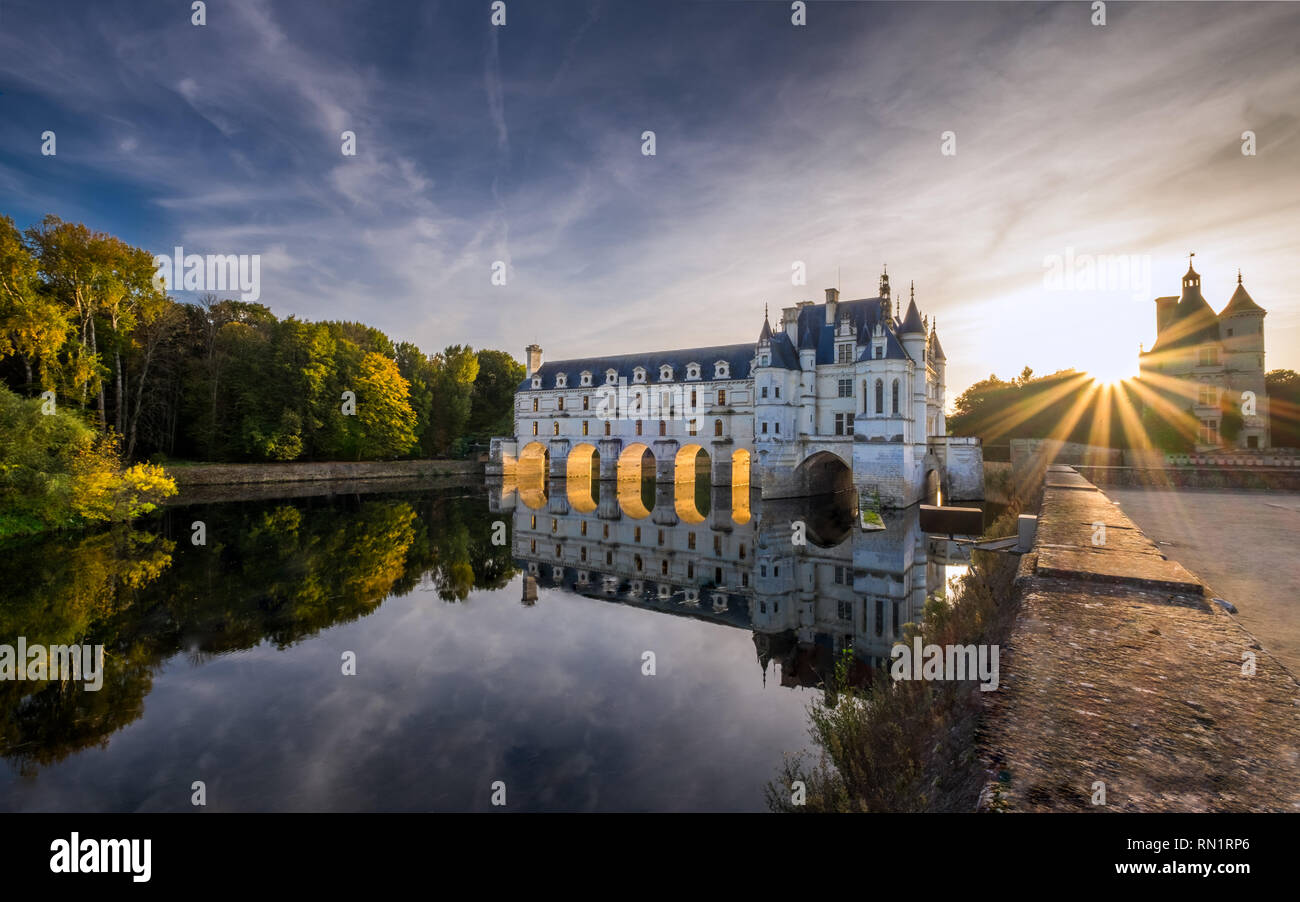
(740, 462)
(636, 480)
(824, 473)
(691, 492)
(530, 472)
(582, 472)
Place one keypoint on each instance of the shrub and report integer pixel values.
(56, 472)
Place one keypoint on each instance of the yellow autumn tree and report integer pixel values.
(384, 408)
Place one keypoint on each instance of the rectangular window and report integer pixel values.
(690, 541)
(778, 391)
(839, 424)
(717, 544)
(583, 527)
(636, 534)
(848, 424)
(534, 428)
(844, 354)
(778, 428)
(586, 402)
(661, 537)
(895, 618)
(585, 427)
(846, 388)
(722, 396)
(638, 427)
(764, 391)
(880, 617)
(534, 404)
(846, 611)
(880, 351)
(559, 403)
(764, 428)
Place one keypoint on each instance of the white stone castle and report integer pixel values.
(839, 395)
(1203, 362)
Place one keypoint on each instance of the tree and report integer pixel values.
(387, 420)
(493, 397)
(1283, 388)
(32, 326)
(456, 369)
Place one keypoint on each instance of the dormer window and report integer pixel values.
(611, 376)
(586, 378)
(721, 370)
(537, 382)
(844, 353)
(692, 371)
(561, 381)
(638, 374)
(665, 373)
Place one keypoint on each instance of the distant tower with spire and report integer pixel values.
(1211, 365)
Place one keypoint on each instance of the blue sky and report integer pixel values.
(775, 144)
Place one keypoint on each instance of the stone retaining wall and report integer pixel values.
(242, 474)
(1122, 677)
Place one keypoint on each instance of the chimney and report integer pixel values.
(1164, 313)
(832, 302)
(532, 359)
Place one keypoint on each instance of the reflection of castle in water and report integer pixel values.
(722, 554)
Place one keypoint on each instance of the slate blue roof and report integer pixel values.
(810, 331)
(864, 313)
(784, 354)
(738, 357)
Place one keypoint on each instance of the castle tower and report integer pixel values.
(1241, 329)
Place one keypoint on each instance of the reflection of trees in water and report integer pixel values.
(275, 571)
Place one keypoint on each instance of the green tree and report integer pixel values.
(493, 398)
(456, 368)
(1283, 388)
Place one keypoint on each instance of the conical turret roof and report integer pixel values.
(1241, 301)
(912, 320)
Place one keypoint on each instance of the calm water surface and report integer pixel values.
(476, 662)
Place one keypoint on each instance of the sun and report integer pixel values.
(1112, 371)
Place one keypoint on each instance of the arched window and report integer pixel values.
(555, 428)
(880, 396)
(717, 427)
(895, 397)
(663, 427)
(561, 381)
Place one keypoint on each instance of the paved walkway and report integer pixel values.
(1243, 545)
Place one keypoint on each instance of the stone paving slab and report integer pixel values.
(1108, 565)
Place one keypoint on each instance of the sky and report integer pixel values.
(775, 144)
